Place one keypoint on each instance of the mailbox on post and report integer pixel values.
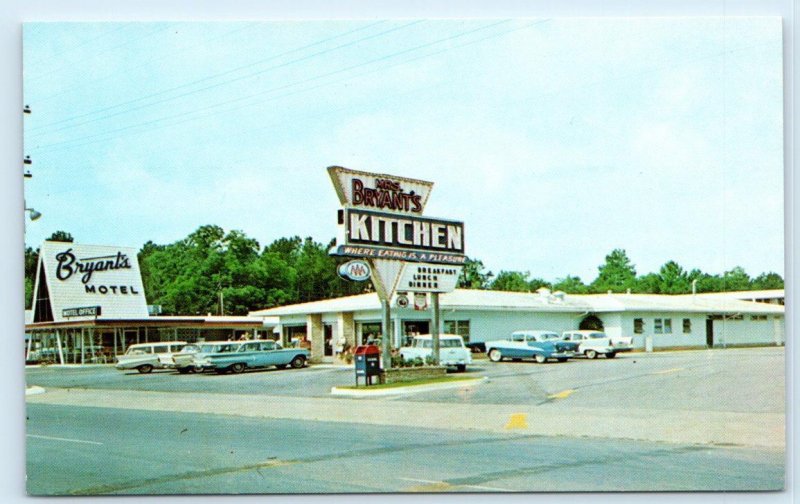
(368, 364)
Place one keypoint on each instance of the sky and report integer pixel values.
(554, 140)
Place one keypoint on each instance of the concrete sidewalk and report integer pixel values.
(688, 427)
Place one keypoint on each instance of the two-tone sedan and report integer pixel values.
(538, 345)
(184, 361)
(251, 355)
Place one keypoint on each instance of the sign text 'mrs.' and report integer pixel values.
(406, 232)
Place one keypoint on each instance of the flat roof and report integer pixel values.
(169, 321)
(488, 300)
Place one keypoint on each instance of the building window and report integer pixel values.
(638, 326)
(460, 327)
(662, 326)
(687, 326)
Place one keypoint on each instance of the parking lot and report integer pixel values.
(692, 411)
(737, 380)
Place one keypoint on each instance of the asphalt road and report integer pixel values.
(149, 449)
(90, 451)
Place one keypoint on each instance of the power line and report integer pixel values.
(34, 78)
(81, 44)
(273, 89)
(214, 76)
(349, 78)
(95, 82)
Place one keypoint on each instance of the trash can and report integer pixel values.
(368, 364)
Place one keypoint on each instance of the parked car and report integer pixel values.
(452, 351)
(594, 343)
(253, 354)
(538, 345)
(144, 357)
(184, 361)
(477, 346)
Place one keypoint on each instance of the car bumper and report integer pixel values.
(562, 355)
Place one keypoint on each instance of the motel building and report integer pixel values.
(89, 305)
(656, 322)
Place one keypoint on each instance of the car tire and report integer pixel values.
(591, 354)
(611, 355)
(298, 362)
(144, 368)
(461, 368)
(237, 368)
(540, 358)
(495, 355)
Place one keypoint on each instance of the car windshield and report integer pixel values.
(190, 349)
(549, 336)
(139, 350)
(597, 335)
(450, 343)
(226, 347)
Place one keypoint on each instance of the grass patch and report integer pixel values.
(412, 383)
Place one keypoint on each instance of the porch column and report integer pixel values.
(345, 330)
(314, 331)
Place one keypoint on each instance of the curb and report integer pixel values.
(34, 390)
(407, 390)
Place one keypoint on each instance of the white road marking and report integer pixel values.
(64, 439)
(479, 487)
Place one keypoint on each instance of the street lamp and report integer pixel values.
(34, 214)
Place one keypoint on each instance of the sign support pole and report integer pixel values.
(386, 328)
(435, 328)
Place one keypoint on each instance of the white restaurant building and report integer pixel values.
(713, 320)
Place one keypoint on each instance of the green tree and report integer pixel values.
(648, 284)
(61, 236)
(31, 262)
(474, 275)
(513, 281)
(767, 281)
(736, 279)
(673, 279)
(617, 274)
(570, 285)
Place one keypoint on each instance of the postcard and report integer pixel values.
(404, 256)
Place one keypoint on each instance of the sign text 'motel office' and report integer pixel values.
(68, 265)
(85, 311)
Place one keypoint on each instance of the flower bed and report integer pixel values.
(406, 374)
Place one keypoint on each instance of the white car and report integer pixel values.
(144, 357)
(452, 351)
(594, 343)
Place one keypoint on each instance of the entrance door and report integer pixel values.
(709, 333)
(328, 340)
(412, 328)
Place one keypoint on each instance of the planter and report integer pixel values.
(398, 375)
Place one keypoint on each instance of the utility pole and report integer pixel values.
(435, 326)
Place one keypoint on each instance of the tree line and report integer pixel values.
(618, 274)
(213, 271)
